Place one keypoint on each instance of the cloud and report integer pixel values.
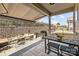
(61, 16)
(54, 17)
(43, 20)
(40, 20)
(54, 22)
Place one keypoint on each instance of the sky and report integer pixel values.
(62, 18)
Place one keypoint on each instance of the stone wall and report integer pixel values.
(11, 31)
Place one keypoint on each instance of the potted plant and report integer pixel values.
(44, 33)
(59, 37)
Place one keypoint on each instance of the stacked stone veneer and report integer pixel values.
(11, 31)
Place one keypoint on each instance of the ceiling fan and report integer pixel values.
(51, 3)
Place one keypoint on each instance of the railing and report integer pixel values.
(70, 45)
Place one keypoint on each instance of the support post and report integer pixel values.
(49, 18)
(74, 17)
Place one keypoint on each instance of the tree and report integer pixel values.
(58, 24)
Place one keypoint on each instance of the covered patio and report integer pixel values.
(18, 26)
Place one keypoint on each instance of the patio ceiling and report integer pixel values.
(29, 11)
(54, 8)
(20, 11)
(58, 7)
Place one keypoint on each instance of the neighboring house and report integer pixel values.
(62, 27)
(53, 27)
(70, 23)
